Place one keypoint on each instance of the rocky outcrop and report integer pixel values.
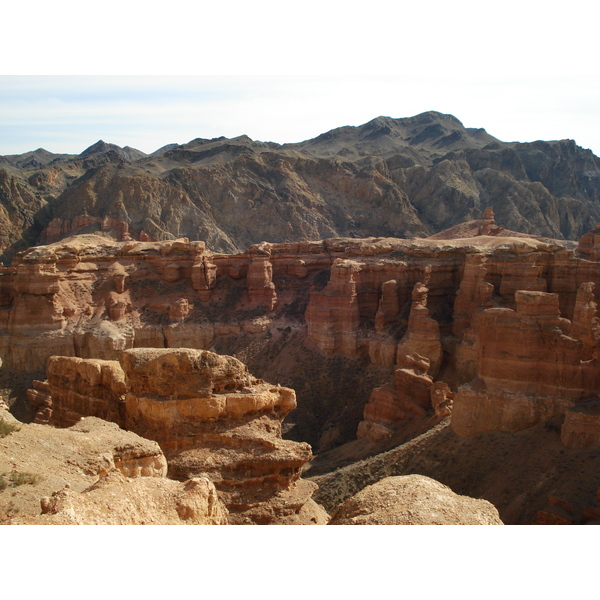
(413, 500)
(204, 277)
(586, 325)
(581, 427)
(116, 500)
(389, 405)
(57, 228)
(332, 315)
(95, 473)
(261, 288)
(210, 417)
(530, 369)
(589, 244)
(442, 399)
(423, 333)
(487, 225)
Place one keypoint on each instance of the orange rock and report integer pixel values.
(332, 315)
(410, 396)
(423, 333)
(209, 416)
(261, 288)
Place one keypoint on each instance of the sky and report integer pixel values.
(131, 74)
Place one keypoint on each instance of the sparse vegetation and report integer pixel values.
(6, 428)
(15, 479)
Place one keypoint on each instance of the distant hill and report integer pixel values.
(403, 177)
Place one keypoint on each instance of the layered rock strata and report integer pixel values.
(389, 405)
(581, 427)
(210, 417)
(91, 297)
(333, 314)
(529, 368)
(423, 333)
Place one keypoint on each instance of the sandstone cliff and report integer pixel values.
(509, 322)
(209, 415)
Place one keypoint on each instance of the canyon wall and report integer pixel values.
(505, 321)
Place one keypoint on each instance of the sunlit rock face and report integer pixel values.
(210, 417)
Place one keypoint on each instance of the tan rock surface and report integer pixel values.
(413, 500)
(117, 500)
(210, 417)
(49, 459)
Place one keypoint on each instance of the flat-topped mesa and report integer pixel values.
(332, 315)
(204, 277)
(423, 333)
(261, 288)
(209, 415)
(589, 244)
(388, 406)
(529, 368)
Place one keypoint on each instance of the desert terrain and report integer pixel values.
(390, 324)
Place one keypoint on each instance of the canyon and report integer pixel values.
(457, 342)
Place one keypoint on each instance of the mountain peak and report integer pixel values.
(99, 148)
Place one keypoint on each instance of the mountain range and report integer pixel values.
(406, 177)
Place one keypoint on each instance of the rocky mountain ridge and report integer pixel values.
(389, 177)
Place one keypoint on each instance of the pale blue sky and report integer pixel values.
(522, 70)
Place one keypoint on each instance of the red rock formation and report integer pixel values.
(473, 293)
(522, 274)
(586, 325)
(58, 228)
(261, 288)
(332, 315)
(388, 406)
(204, 277)
(423, 333)
(179, 310)
(589, 244)
(389, 308)
(581, 427)
(487, 225)
(209, 416)
(529, 368)
(442, 399)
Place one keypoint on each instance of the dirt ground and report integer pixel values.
(516, 472)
